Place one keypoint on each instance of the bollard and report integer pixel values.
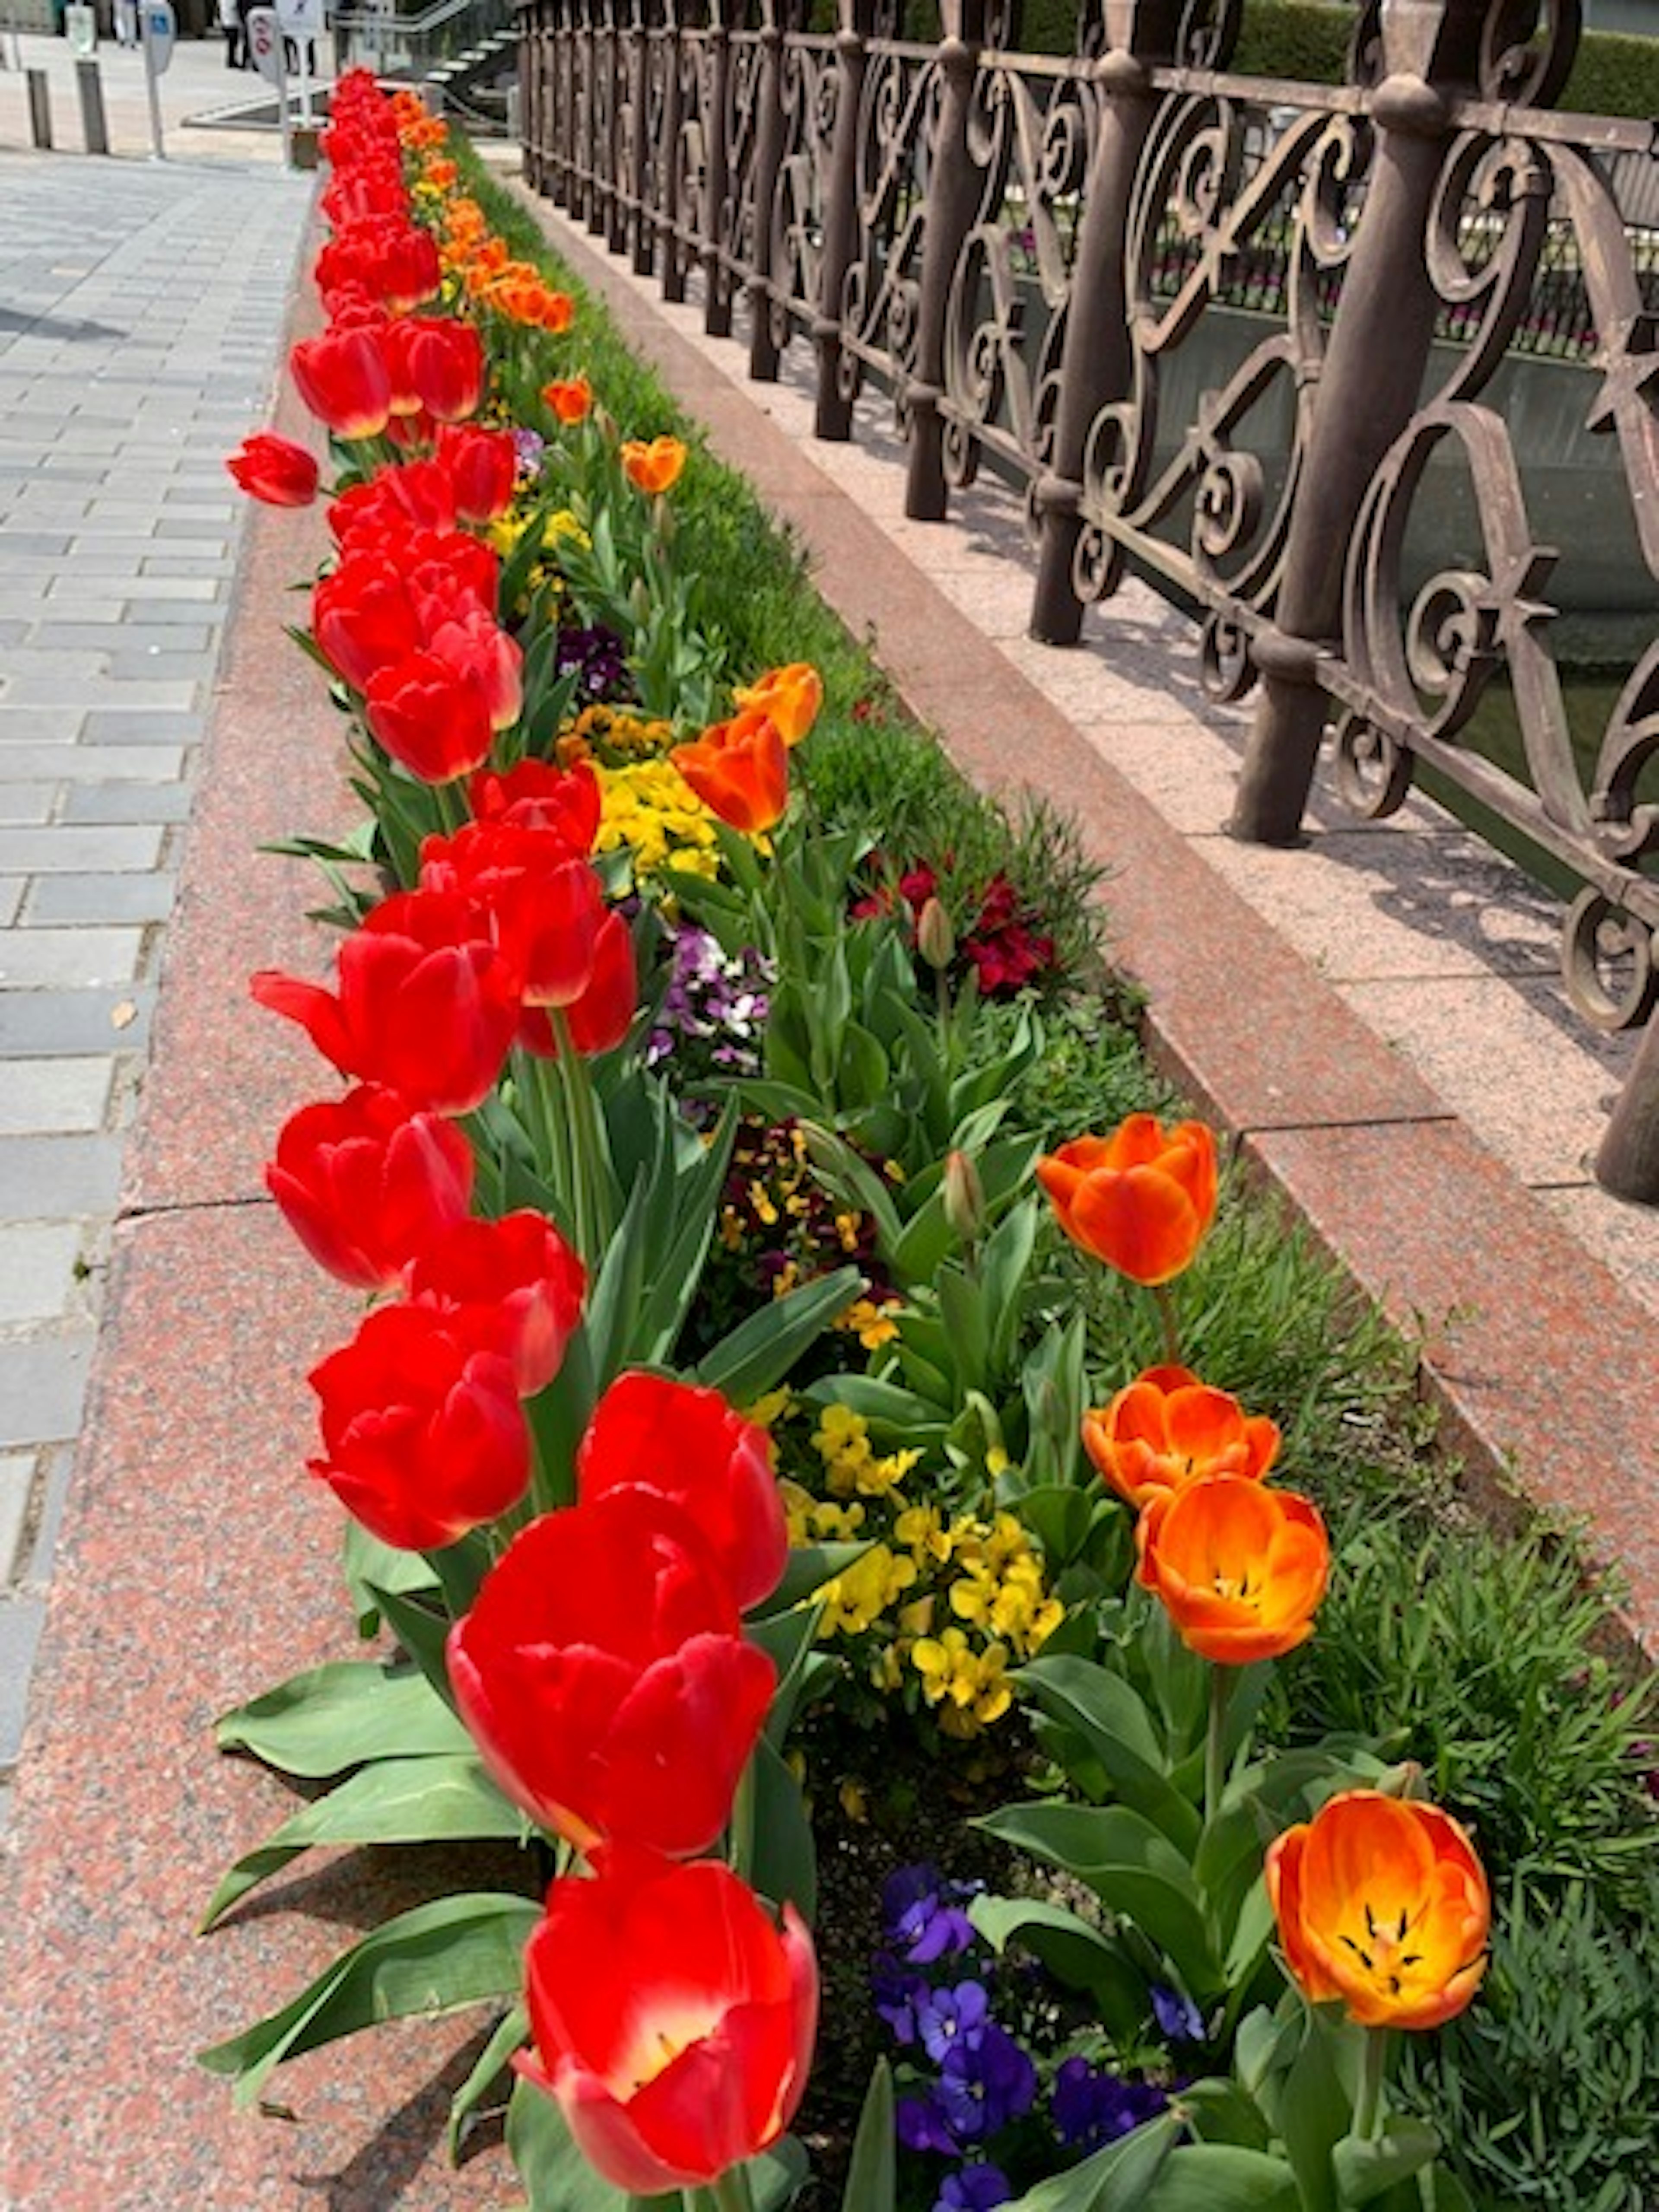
(94, 124)
(39, 109)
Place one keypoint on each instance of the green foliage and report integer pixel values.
(1612, 76)
(1297, 40)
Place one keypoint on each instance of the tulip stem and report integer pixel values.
(731, 2192)
(1373, 2066)
(1221, 1690)
(1163, 1299)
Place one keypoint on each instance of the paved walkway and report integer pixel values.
(140, 304)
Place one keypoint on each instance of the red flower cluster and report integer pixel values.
(1004, 951)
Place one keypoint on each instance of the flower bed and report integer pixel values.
(731, 1394)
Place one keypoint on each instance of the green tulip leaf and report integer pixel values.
(336, 1716)
(1101, 1708)
(1116, 2179)
(1077, 1954)
(758, 1353)
(809, 1567)
(1313, 2105)
(1132, 1867)
(556, 2177)
(457, 1950)
(511, 2034)
(394, 1801)
(1222, 2177)
(1220, 2111)
(872, 2179)
(366, 1561)
(782, 1861)
(423, 1631)
(1363, 2170)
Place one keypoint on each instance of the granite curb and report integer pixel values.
(1544, 1366)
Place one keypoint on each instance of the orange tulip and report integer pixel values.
(1241, 1568)
(1383, 1903)
(1167, 1427)
(570, 399)
(740, 771)
(653, 468)
(1140, 1199)
(791, 696)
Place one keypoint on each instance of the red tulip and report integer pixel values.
(274, 470)
(477, 647)
(739, 769)
(423, 1436)
(363, 619)
(543, 902)
(671, 2021)
(484, 467)
(446, 367)
(366, 1182)
(536, 795)
(603, 1675)
(430, 716)
(380, 514)
(452, 566)
(426, 1003)
(1141, 1199)
(690, 1445)
(517, 1268)
(341, 378)
(601, 1018)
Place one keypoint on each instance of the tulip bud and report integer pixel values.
(964, 1197)
(936, 941)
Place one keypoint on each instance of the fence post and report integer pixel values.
(625, 36)
(645, 244)
(952, 200)
(39, 109)
(668, 157)
(602, 132)
(763, 351)
(723, 15)
(833, 416)
(1096, 358)
(1368, 393)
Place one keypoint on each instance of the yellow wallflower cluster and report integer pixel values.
(945, 1604)
(650, 808)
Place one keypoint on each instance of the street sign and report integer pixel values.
(158, 30)
(264, 44)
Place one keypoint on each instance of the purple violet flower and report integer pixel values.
(983, 2086)
(1090, 2107)
(945, 2018)
(923, 1911)
(1177, 2016)
(973, 2189)
(895, 1996)
(919, 2123)
(528, 446)
(597, 655)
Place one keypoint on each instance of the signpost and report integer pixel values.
(156, 31)
(303, 20)
(264, 44)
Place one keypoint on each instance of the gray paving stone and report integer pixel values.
(36, 959)
(100, 898)
(31, 726)
(38, 1277)
(147, 725)
(90, 763)
(21, 1622)
(95, 691)
(148, 664)
(53, 1025)
(43, 1386)
(76, 851)
(56, 1473)
(27, 802)
(58, 1179)
(17, 1471)
(49, 1098)
(11, 897)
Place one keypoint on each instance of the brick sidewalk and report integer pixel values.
(140, 307)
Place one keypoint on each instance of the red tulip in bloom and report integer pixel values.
(534, 795)
(430, 717)
(1166, 1427)
(274, 470)
(477, 647)
(363, 619)
(1140, 1199)
(1382, 1902)
(789, 697)
(380, 514)
(426, 1003)
(673, 2021)
(454, 566)
(520, 1270)
(1241, 1568)
(740, 771)
(341, 378)
(604, 1676)
(601, 1018)
(423, 1436)
(543, 902)
(365, 1181)
(483, 466)
(690, 1445)
(571, 399)
(446, 367)
(654, 468)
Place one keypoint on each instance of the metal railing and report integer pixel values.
(1332, 363)
(398, 43)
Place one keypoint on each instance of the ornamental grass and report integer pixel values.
(811, 1404)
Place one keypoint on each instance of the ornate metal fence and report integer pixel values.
(1268, 343)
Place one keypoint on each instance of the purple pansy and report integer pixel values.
(973, 2189)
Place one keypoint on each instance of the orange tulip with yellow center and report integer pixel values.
(1166, 1427)
(790, 696)
(1382, 1902)
(740, 771)
(571, 398)
(1140, 1199)
(1241, 1568)
(655, 467)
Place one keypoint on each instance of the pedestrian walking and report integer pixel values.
(126, 22)
(230, 22)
